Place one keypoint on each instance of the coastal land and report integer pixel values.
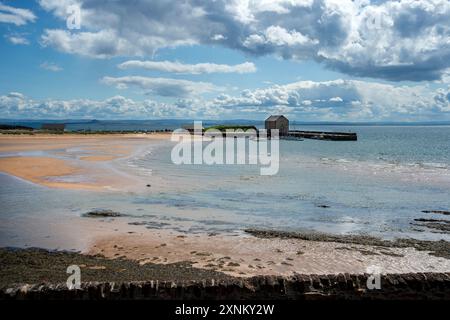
(21, 157)
(115, 247)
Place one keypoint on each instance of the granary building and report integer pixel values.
(279, 122)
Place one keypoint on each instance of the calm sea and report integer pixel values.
(377, 185)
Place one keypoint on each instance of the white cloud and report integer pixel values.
(277, 37)
(162, 86)
(303, 100)
(122, 29)
(445, 76)
(17, 39)
(15, 16)
(344, 100)
(218, 37)
(394, 40)
(50, 66)
(101, 44)
(442, 99)
(16, 105)
(199, 68)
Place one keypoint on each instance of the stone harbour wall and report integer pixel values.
(410, 286)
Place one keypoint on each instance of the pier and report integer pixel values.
(281, 123)
(322, 135)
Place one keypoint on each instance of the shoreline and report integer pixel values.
(182, 281)
(274, 254)
(239, 254)
(73, 161)
(246, 255)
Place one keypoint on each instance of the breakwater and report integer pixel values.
(322, 135)
(410, 286)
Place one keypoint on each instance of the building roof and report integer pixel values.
(275, 118)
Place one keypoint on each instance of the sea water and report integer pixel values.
(377, 186)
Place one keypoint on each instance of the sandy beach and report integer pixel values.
(56, 172)
(237, 255)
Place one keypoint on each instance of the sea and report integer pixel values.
(379, 185)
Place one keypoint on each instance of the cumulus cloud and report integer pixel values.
(101, 44)
(17, 16)
(16, 105)
(50, 66)
(199, 68)
(217, 37)
(17, 39)
(122, 28)
(343, 100)
(405, 40)
(162, 86)
(337, 100)
(394, 40)
(278, 39)
(442, 99)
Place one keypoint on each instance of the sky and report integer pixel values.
(311, 60)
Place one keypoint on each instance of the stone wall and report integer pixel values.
(306, 287)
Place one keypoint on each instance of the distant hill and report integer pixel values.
(14, 127)
(94, 125)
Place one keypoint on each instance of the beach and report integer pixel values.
(46, 170)
(78, 165)
(222, 150)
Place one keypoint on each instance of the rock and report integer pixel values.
(233, 264)
(101, 213)
(439, 248)
(430, 220)
(437, 212)
(439, 225)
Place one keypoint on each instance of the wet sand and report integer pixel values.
(41, 170)
(99, 158)
(62, 168)
(41, 141)
(247, 255)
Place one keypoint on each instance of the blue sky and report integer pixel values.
(314, 60)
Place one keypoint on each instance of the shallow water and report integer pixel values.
(377, 185)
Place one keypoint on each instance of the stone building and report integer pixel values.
(278, 122)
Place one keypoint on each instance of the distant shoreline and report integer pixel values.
(215, 121)
(168, 125)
